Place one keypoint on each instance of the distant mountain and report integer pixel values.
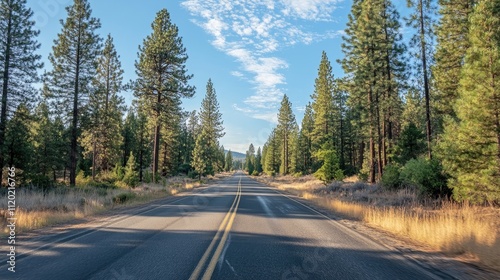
(237, 156)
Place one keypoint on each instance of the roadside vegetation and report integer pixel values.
(44, 207)
(458, 229)
(79, 150)
(417, 124)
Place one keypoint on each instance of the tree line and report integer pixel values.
(423, 114)
(77, 124)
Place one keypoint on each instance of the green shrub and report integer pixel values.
(119, 172)
(184, 168)
(123, 197)
(193, 174)
(410, 145)
(41, 181)
(426, 175)
(131, 176)
(391, 178)
(330, 170)
(255, 173)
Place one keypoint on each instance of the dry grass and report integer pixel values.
(458, 229)
(38, 209)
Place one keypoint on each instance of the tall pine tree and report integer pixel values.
(162, 77)
(422, 20)
(375, 71)
(102, 140)
(74, 60)
(322, 105)
(19, 61)
(452, 44)
(285, 129)
(211, 123)
(471, 144)
(304, 163)
(228, 161)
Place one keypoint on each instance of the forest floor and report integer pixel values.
(470, 234)
(37, 209)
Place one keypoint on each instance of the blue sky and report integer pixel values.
(253, 50)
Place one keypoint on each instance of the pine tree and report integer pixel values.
(229, 161)
(285, 129)
(131, 178)
(273, 155)
(258, 161)
(211, 119)
(322, 105)
(375, 71)
(193, 129)
(102, 140)
(221, 159)
(19, 61)
(74, 60)
(169, 144)
(162, 77)
(339, 120)
(250, 159)
(129, 130)
(330, 168)
(211, 123)
(305, 141)
(263, 158)
(48, 143)
(452, 44)
(18, 148)
(410, 144)
(294, 151)
(421, 20)
(142, 144)
(471, 144)
(201, 156)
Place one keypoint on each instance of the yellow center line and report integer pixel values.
(197, 271)
(218, 251)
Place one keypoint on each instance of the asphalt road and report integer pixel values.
(237, 229)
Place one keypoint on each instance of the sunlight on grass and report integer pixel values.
(37, 209)
(450, 227)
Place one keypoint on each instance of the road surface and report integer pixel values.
(237, 229)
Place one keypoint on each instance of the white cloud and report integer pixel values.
(252, 30)
(237, 74)
(310, 9)
(269, 116)
(244, 110)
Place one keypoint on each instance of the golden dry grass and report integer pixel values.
(37, 209)
(450, 228)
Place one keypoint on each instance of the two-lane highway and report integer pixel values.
(237, 229)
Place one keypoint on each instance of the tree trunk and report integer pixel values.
(379, 138)
(74, 125)
(93, 160)
(497, 110)
(371, 178)
(141, 155)
(3, 116)
(426, 80)
(156, 152)
(156, 145)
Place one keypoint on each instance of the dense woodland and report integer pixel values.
(77, 125)
(423, 113)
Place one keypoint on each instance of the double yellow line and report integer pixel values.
(224, 229)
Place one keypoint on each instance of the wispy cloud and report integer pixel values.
(251, 31)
